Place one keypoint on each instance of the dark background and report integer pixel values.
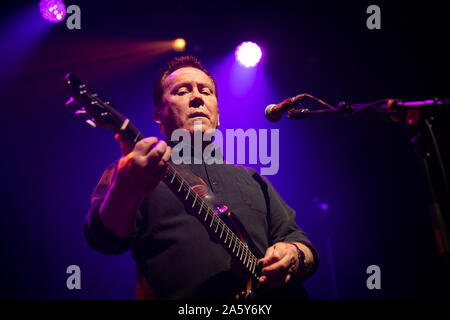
(365, 171)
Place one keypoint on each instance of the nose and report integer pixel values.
(196, 100)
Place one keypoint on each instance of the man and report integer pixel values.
(175, 255)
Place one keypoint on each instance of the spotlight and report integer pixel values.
(179, 44)
(52, 10)
(248, 54)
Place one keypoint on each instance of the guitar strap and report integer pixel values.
(223, 211)
(203, 191)
(143, 289)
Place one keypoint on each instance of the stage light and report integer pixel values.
(52, 10)
(179, 44)
(248, 54)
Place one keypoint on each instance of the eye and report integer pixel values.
(206, 91)
(181, 91)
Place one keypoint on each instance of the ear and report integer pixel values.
(218, 120)
(157, 118)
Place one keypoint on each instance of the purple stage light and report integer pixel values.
(322, 206)
(248, 54)
(52, 10)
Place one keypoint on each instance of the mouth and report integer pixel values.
(198, 114)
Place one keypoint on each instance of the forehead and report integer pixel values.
(187, 74)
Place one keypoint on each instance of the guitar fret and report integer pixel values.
(195, 199)
(229, 245)
(206, 215)
(187, 196)
(218, 223)
(173, 177)
(247, 257)
(212, 220)
(200, 210)
(223, 228)
(181, 185)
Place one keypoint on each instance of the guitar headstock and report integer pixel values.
(99, 110)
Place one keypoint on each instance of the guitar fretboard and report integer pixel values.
(209, 218)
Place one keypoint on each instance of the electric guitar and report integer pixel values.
(201, 202)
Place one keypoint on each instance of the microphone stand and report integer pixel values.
(419, 117)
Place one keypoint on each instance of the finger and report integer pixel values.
(268, 255)
(167, 154)
(144, 146)
(165, 158)
(273, 256)
(125, 146)
(280, 267)
(284, 262)
(124, 161)
(157, 152)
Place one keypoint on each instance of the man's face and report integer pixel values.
(189, 95)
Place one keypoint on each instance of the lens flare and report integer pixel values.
(179, 44)
(52, 10)
(248, 54)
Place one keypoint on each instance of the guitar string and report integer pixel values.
(217, 221)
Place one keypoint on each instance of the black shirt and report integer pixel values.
(173, 250)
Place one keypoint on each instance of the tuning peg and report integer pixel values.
(91, 123)
(71, 99)
(80, 111)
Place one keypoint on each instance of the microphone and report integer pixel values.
(274, 112)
